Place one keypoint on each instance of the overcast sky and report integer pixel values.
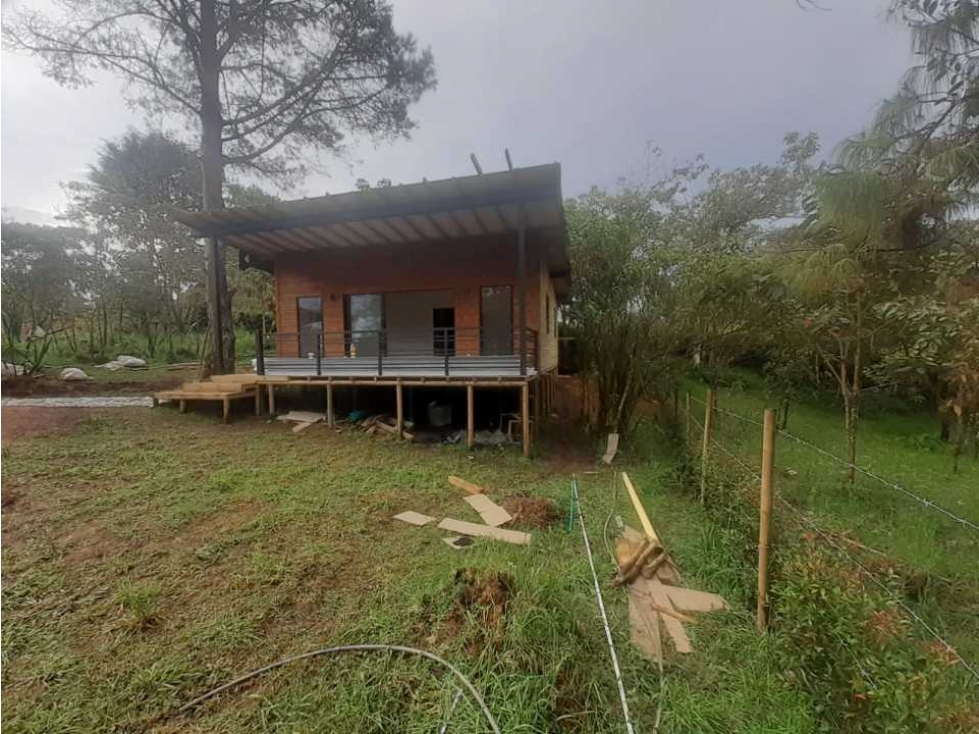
(588, 84)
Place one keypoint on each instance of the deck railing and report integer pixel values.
(447, 350)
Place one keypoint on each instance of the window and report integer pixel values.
(363, 318)
(496, 320)
(310, 319)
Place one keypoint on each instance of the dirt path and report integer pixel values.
(94, 401)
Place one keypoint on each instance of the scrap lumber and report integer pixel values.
(485, 531)
(691, 600)
(300, 427)
(464, 485)
(611, 448)
(674, 627)
(491, 512)
(301, 416)
(644, 627)
(414, 518)
(635, 564)
(647, 526)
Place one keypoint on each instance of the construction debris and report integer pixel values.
(655, 595)
(414, 518)
(464, 485)
(301, 416)
(491, 512)
(300, 427)
(485, 531)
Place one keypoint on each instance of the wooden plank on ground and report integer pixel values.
(414, 518)
(300, 427)
(691, 600)
(674, 627)
(491, 512)
(301, 416)
(464, 485)
(485, 531)
(644, 626)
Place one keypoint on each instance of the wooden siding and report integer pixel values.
(461, 266)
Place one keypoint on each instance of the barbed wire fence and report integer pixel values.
(704, 445)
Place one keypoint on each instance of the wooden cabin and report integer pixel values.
(454, 281)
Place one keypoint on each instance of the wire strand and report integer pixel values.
(372, 647)
(601, 608)
(930, 504)
(825, 535)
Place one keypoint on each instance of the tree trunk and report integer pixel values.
(212, 169)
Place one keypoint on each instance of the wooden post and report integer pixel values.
(226, 405)
(522, 291)
(271, 399)
(401, 409)
(767, 482)
(705, 449)
(689, 420)
(525, 418)
(330, 421)
(470, 418)
(258, 400)
(183, 406)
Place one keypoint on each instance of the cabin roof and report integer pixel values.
(448, 209)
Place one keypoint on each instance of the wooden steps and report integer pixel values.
(223, 388)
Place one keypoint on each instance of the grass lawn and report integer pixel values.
(151, 556)
(898, 442)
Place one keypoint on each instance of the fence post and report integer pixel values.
(705, 449)
(765, 509)
(686, 436)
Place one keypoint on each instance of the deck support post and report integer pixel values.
(183, 406)
(538, 407)
(401, 409)
(226, 405)
(522, 290)
(470, 418)
(329, 405)
(525, 418)
(258, 400)
(271, 399)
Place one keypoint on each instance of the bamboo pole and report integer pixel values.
(705, 449)
(647, 526)
(764, 525)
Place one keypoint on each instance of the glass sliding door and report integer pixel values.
(310, 324)
(496, 320)
(364, 319)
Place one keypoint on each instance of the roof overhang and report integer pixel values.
(471, 206)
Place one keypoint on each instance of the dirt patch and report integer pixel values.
(26, 422)
(46, 386)
(91, 541)
(532, 512)
(478, 613)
